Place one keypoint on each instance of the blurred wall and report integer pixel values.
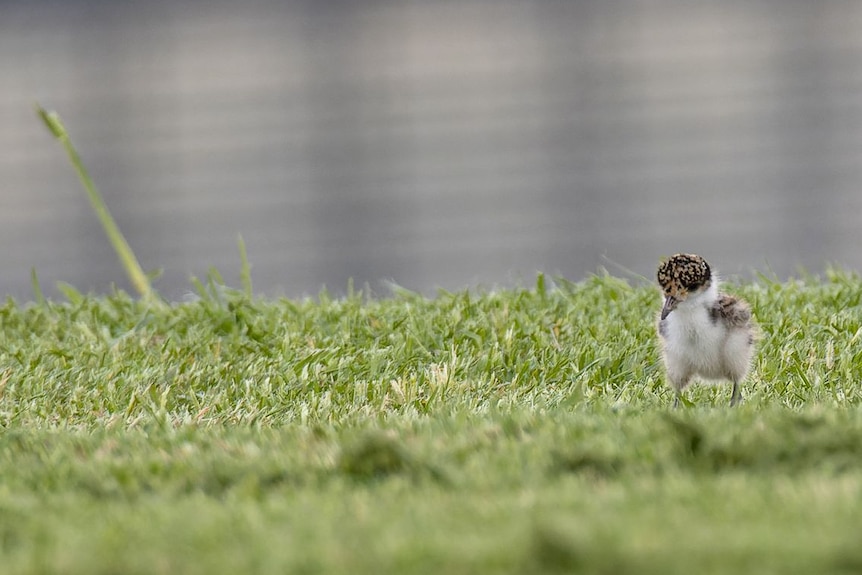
(431, 143)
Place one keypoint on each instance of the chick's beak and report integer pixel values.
(669, 305)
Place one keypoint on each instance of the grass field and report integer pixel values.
(514, 431)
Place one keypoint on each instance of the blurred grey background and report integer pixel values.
(431, 143)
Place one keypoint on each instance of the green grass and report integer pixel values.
(516, 431)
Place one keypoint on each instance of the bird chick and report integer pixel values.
(704, 332)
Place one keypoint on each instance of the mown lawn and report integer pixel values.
(513, 431)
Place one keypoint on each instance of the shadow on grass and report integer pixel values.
(376, 455)
(560, 547)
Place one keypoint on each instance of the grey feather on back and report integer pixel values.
(731, 310)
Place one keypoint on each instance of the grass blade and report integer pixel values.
(127, 257)
(245, 271)
(37, 289)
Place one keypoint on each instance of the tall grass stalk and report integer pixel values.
(127, 257)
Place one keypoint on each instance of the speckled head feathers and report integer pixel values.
(683, 273)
